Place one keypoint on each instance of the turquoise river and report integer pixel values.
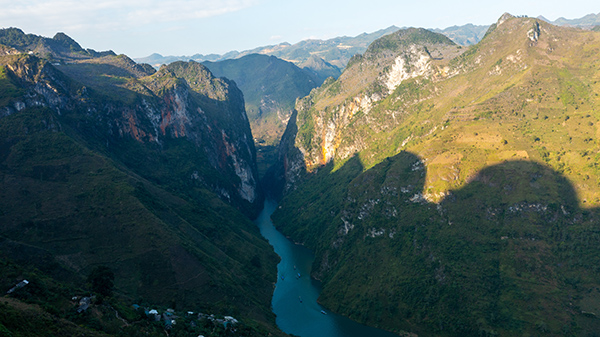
(295, 296)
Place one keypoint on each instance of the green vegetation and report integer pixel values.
(8, 90)
(108, 164)
(59, 48)
(465, 202)
(270, 86)
(45, 307)
(17, 39)
(102, 280)
(266, 156)
(52, 183)
(468, 264)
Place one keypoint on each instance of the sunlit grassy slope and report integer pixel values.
(463, 203)
(507, 97)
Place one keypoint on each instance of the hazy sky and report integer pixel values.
(185, 27)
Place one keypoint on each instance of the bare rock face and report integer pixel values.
(412, 63)
(209, 112)
(182, 105)
(151, 174)
(534, 33)
(403, 159)
(324, 117)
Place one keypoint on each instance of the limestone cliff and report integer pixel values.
(182, 101)
(327, 115)
(428, 174)
(149, 173)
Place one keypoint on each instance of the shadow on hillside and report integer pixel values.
(513, 235)
(317, 201)
(276, 180)
(472, 263)
(153, 126)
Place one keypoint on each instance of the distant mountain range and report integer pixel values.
(271, 87)
(337, 51)
(587, 21)
(466, 35)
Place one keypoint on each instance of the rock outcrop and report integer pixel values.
(442, 187)
(181, 101)
(150, 173)
(329, 112)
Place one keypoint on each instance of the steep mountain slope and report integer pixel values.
(370, 78)
(451, 191)
(270, 86)
(105, 162)
(181, 106)
(59, 48)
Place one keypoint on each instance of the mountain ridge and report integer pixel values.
(465, 35)
(270, 87)
(586, 21)
(58, 48)
(105, 162)
(336, 51)
(470, 174)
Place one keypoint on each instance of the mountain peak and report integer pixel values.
(60, 36)
(510, 91)
(404, 37)
(59, 47)
(543, 18)
(66, 41)
(504, 17)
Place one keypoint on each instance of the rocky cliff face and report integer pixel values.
(211, 113)
(436, 170)
(327, 115)
(394, 59)
(105, 162)
(181, 102)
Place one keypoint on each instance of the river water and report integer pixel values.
(295, 297)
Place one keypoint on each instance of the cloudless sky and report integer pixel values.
(186, 27)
